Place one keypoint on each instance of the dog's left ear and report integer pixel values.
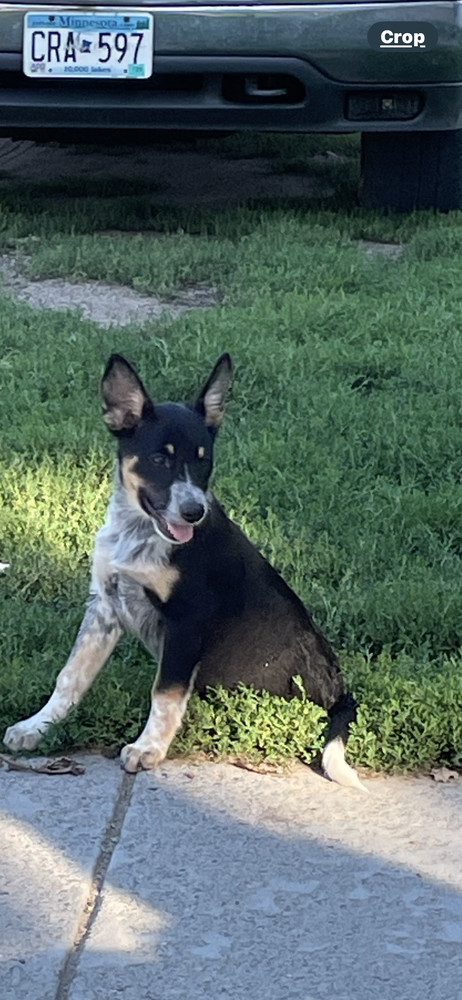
(210, 402)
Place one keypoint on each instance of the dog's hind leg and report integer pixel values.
(97, 637)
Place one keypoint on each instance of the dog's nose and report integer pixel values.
(192, 511)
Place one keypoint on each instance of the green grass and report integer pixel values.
(340, 455)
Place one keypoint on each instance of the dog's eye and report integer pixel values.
(160, 459)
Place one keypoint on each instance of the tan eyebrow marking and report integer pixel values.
(170, 449)
(200, 451)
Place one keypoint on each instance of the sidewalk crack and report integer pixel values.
(92, 905)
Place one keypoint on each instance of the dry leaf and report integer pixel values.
(17, 765)
(260, 767)
(57, 765)
(60, 765)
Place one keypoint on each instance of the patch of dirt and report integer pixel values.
(104, 304)
(182, 173)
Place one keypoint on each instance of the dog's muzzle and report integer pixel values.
(176, 522)
(181, 531)
(192, 512)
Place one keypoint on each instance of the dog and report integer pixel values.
(172, 568)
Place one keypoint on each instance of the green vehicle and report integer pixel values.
(392, 71)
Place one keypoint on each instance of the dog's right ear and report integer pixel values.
(125, 400)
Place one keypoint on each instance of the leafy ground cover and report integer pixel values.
(340, 455)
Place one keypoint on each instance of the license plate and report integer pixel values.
(97, 45)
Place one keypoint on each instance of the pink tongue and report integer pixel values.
(181, 532)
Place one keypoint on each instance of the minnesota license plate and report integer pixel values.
(97, 45)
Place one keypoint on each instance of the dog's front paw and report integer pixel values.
(23, 736)
(140, 757)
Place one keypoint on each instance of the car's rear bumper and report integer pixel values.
(279, 67)
(200, 93)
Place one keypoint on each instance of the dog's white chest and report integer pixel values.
(130, 550)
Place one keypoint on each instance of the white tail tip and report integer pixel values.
(336, 767)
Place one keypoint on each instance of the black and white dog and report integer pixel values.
(172, 568)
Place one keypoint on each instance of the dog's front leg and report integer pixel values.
(95, 641)
(169, 698)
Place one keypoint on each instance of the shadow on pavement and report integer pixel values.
(226, 883)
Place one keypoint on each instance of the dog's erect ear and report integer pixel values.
(125, 399)
(210, 402)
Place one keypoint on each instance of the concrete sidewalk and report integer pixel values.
(205, 880)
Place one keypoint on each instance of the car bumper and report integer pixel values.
(305, 67)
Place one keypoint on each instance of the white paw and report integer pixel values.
(24, 735)
(140, 757)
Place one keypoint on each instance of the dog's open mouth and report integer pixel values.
(171, 531)
(174, 532)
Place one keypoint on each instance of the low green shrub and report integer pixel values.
(406, 721)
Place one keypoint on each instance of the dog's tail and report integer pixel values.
(342, 713)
